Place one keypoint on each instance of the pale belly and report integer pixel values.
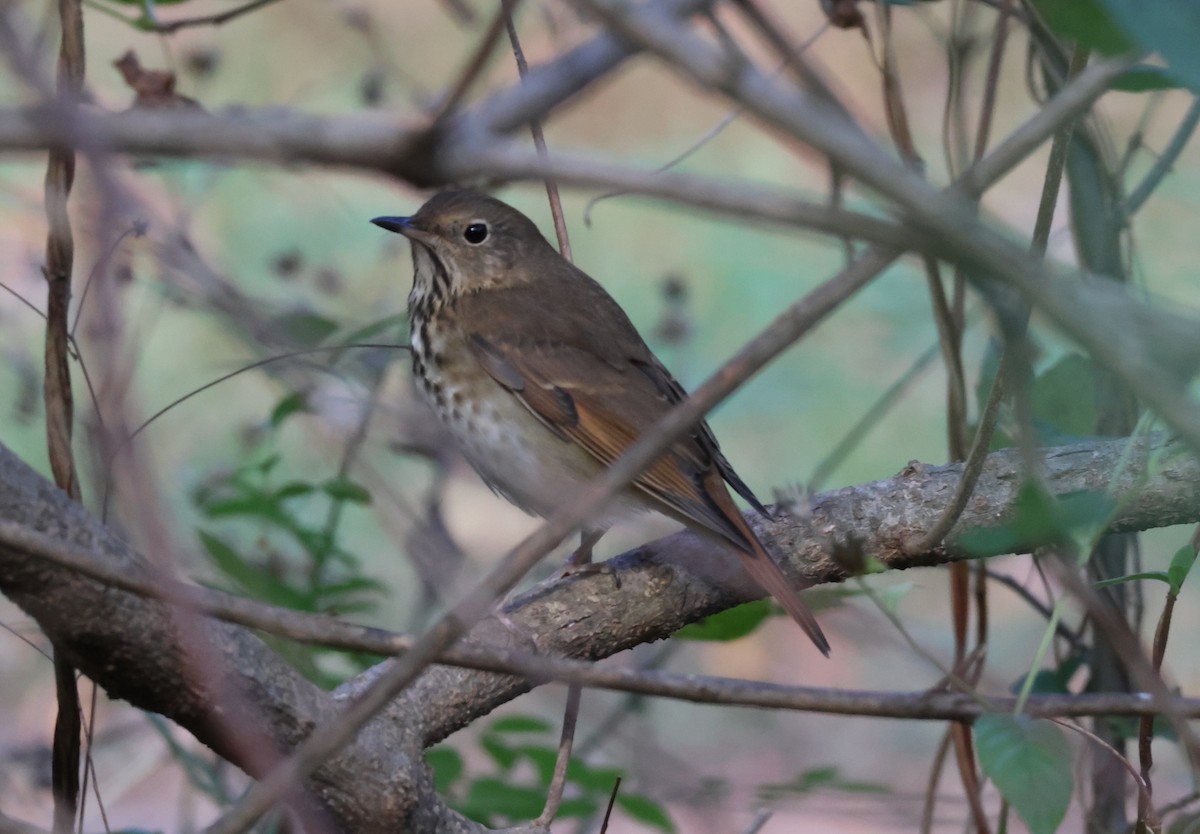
(515, 454)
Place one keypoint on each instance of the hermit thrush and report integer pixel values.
(543, 381)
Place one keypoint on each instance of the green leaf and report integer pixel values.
(580, 806)
(503, 755)
(730, 624)
(1087, 22)
(1128, 727)
(989, 366)
(646, 811)
(293, 403)
(1169, 27)
(1030, 763)
(828, 777)
(543, 760)
(447, 766)
(1037, 513)
(204, 774)
(1133, 577)
(258, 504)
(1040, 518)
(488, 797)
(343, 489)
(369, 331)
(305, 327)
(890, 598)
(1144, 78)
(1181, 566)
(1052, 681)
(1063, 399)
(251, 579)
(292, 490)
(520, 724)
(317, 543)
(353, 585)
(1085, 509)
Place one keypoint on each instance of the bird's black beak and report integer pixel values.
(401, 225)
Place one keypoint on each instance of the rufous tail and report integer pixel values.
(758, 563)
(765, 572)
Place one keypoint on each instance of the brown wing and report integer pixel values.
(675, 394)
(609, 342)
(586, 400)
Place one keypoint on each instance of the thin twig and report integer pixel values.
(22, 299)
(1127, 645)
(558, 781)
(870, 418)
(627, 707)
(478, 60)
(950, 338)
(931, 784)
(89, 768)
(1165, 162)
(971, 468)
(957, 304)
(761, 817)
(991, 86)
(950, 677)
(1146, 818)
(964, 756)
(950, 335)
(59, 401)
(791, 56)
(953, 130)
(612, 800)
(1016, 332)
(101, 263)
(1056, 164)
(710, 134)
(949, 314)
(324, 631)
(223, 378)
(1063, 631)
(1143, 788)
(893, 98)
(739, 200)
(215, 19)
(539, 137)
(349, 454)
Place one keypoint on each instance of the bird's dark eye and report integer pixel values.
(476, 233)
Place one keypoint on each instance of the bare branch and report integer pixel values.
(171, 26)
(126, 643)
(664, 584)
(135, 648)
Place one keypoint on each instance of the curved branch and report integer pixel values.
(663, 585)
(217, 680)
(671, 582)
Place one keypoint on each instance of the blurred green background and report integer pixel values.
(294, 251)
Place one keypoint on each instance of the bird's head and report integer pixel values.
(469, 241)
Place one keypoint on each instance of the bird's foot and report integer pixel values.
(572, 568)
